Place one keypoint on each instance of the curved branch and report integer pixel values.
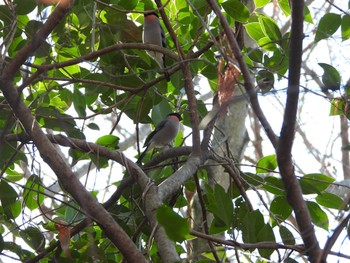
(285, 144)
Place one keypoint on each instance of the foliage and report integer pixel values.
(82, 81)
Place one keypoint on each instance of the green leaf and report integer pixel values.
(280, 208)
(287, 236)
(331, 77)
(327, 26)
(251, 225)
(24, 8)
(315, 183)
(254, 30)
(8, 195)
(236, 10)
(175, 226)
(318, 216)
(220, 204)
(255, 55)
(284, 5)
(252, 179)
(345, 27)
(270, 28)
(267, 44)
(33, 194)
(79, 103)
(307, 15)
(34, 238)
(266, 164)
(261, 3)
(93, 126)
(329, 200)
(109, 141)
(338, 107)
(265, 234)
(274, 185)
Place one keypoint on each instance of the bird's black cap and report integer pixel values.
(176, 114)
(151, 13)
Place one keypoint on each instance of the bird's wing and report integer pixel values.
(150, 136)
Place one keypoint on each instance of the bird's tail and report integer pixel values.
(139, 160)
(166, 73)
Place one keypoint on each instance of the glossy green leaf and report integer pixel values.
(338, 107)
(236, 10)
(274, 185)
(79, 103)
(265, 234)
(255, 55)
(318, 216)
(266, 164)
(327, 26)
(315, 183)
(109, 141)
(24, 8)
(252, 224)
(33, 194)
(8, 195)
(284, 5)
(261, 3)
(252, 179)
(175, 226)
(307, 15)
(331, 77)
(34, 238)
(329, 200)
(287, 236)
(220, 204)
(93, 126)
(270, 28)
(280, 208)
(254, 30)
(200, 5)
(345, 27)
(267, 44)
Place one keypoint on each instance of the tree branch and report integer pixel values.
(284, 149)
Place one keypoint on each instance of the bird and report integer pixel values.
(163, 134)
(153, 33)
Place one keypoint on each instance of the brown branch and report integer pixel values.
(246, 246)
(344, 135)
(331, 241)
(284, 149)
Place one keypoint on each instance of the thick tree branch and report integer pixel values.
(284, 149)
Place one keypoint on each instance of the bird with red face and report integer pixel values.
(153, 33)
(164, 133)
